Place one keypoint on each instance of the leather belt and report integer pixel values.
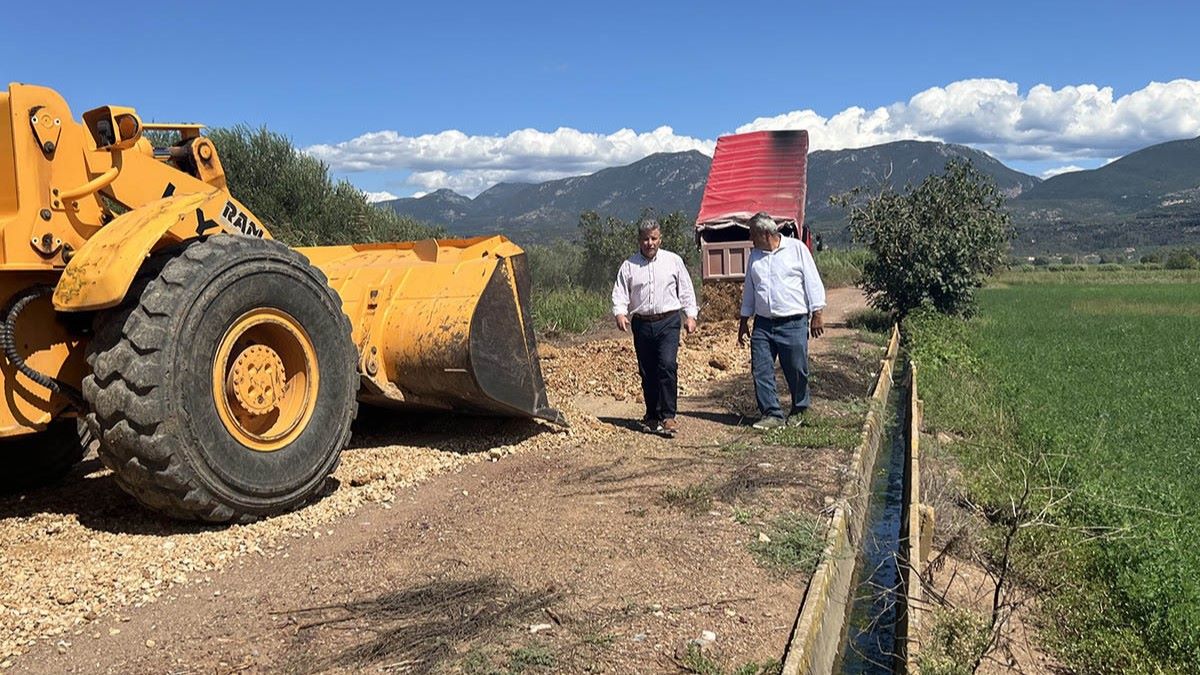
(655, 317)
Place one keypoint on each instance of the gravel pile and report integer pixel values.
(608, 367)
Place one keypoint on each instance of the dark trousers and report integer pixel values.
(657, 347)
(785, 339)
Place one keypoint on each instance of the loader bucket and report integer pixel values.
(441, 325)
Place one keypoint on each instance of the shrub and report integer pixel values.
(296, 197)
(607, 242)
(841, 267)
(1182, 260)
(934, 244)
(557, 265)
(568, 310)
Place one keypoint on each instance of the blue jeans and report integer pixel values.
(787, 339)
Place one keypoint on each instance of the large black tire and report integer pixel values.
(44, 457)
(150, 390)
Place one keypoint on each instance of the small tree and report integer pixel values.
(933, 244)
(296, 197)
(1181, 260)
(609, 241)
(606, 242)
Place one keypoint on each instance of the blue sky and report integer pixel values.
(408, 98)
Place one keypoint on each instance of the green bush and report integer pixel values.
(557, 265)
(1109, 267)
(297, 199)
(871, 320)
(842, 267)
(935, 244)
(1182, 260)
(607, 242)
(956, 640)
(568, 310)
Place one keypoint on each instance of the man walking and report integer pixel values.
(652, 287)
(784, 294)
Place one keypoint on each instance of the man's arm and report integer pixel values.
(814, 290)
(620, 298)
(747, 308)
(687, 295)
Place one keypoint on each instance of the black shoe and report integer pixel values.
(649, 426)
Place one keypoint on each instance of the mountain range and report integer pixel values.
(1147, 198)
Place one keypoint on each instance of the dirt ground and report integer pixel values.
(459, 545)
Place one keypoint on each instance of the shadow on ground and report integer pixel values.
(414, 629)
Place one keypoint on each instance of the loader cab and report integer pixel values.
(8, 161)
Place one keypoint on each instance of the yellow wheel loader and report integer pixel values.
(149, 314)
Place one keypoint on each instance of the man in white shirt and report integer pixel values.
(784, 294)
(652, 287)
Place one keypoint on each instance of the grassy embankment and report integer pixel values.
(562, 305)
(1087, 384)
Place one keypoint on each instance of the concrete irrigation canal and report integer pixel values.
(861, 612)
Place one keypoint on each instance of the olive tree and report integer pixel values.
(609, 241)
(934, 243)
(297, 198)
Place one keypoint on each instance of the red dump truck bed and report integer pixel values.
(757, 171)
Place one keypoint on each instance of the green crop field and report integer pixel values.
(1093, 389)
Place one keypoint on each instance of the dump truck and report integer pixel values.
(150, 316)
(750, 172)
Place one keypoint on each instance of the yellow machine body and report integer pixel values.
(438, 324)
(441, 324)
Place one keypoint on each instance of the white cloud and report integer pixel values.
(1077, 124)
(381, 196)
(472, 163)
(1045, 124)
(1059, 170)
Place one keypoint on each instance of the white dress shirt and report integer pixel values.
(783, 282)
(653, 286)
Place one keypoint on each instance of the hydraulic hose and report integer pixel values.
(8, 342)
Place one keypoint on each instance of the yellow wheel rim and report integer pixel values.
(265, 379)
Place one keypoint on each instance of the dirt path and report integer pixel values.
(598, 550)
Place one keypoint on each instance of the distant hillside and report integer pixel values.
(898, 164)
(675, 181)
(1147, 198)
(530, 212)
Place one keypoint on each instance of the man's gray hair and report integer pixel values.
(764, 223)
(647, 225)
